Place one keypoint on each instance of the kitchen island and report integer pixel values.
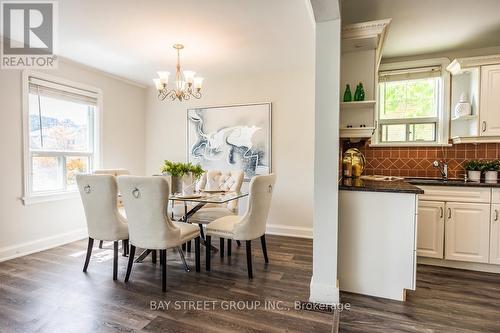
(377, 237)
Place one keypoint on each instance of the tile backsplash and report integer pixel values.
(417, 162)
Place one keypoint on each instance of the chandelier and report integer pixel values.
(186, 84)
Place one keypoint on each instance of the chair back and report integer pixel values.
(99, 193)
(145, 200)
(226, 181)
(114, 172)
(253, 223)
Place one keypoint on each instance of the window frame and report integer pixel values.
(442, 120)
(94, 157)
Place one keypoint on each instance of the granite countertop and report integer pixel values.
(450, 182)
(396, 186)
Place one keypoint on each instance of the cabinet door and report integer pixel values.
(489, 113)
(467, 232)
(430, 234)
(495, 235)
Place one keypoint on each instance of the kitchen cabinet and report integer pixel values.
(467, 232)
(495, 235)
(489, 116)
(479, 78)
(430, 234)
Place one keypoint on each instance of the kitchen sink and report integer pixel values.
(423, 180)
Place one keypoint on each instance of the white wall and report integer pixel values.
(34, 227)
(292, 95)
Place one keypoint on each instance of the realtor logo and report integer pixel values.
(28, 34)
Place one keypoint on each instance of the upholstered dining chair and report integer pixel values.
(248, 227)
(104, 221)
(145, 200)
(116, 173)
(213, 180)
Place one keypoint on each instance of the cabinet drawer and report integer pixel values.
(456, 194)
(495, 195)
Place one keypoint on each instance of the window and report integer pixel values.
(412, 107)
(61, 130)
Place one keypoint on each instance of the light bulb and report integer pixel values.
(189, 76)
(158, 84)
(198, 81)
(163, 76)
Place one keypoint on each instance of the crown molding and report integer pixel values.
(459, 65)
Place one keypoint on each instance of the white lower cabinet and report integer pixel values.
(495, 235)
(430, 234)
(467, 232)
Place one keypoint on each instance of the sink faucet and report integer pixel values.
(442, 167)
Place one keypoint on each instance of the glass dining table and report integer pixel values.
(200, 199)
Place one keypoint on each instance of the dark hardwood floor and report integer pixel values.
(48, 292)
(446, 300)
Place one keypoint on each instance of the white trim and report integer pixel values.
(324, 293)
(407, 144)
(47, 197)
(98, 71)
(28, 197)
(285, 230)
(473, 266)
(442, 134)
(10, 252)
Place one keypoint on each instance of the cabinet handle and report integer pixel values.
(496, 215)
(449, 213)
(484, 126)
(442, 213)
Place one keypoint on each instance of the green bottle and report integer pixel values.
(361, 96)
(347, 94)
(356, 94)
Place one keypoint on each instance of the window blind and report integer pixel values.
(59, 91)
(410, 74)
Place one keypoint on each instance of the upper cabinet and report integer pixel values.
(362, 45)
(489, 117)
(475, 91)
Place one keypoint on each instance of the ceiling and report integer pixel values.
(430, 26)
(133, 39)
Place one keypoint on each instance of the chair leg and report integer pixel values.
(208, 246)
(264, 247)
(238, 242)
(163, 259)
(197, 253)
(229, 245)
(89, 254)
(130, 262)
(189, 246)
(249, 259)
(153, 256)
(183, 259)
(115, 260)
(201, 231)
(125, 247)
(100, 244)
(221, 249)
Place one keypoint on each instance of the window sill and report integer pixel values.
(409, 145)
(41, 198)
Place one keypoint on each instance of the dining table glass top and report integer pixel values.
(209, 197)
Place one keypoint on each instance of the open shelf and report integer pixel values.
(469, 117)
(356, 132)
(357, 105)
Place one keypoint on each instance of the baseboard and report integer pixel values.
(285, 230)
(38, 245)
(471, 266)
(323, 293)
